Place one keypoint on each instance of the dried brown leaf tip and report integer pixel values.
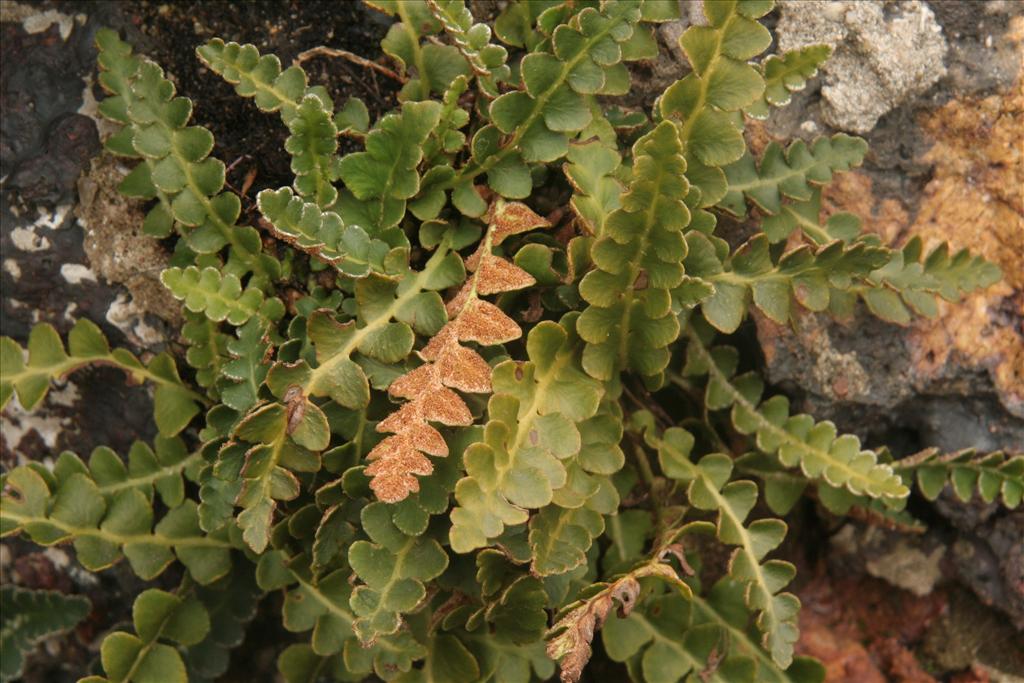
(397, 461)
(569, 640)
(571, 647)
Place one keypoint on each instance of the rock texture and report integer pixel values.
(883, 54)
(936, 89)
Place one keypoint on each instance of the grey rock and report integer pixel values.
(884, 54)
(863, 376)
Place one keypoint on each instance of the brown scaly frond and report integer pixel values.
(569, 640)
(428, 389)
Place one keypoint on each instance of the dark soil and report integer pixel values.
(44, 146)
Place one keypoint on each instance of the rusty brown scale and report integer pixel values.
(429, 390)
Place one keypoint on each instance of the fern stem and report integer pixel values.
(472, 169)
(778, 432)
(152, 477)
(138, 372)
(120, 539)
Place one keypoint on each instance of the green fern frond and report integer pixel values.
(48, 361)
(324, 235)
(720, 85)
(629, 323)
(160, 619)
(176, 167)
(792, 173)
(29, 616)
(912, 280)
(350, 461)
(993, 476)
(532, 426)
(785, 74)
(797, 440)
(473, 40)
(112, 518)
(814, 278)
(219, 297)
(709, 487)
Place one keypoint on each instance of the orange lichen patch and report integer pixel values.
(844, 658)
(397, 460)
(852, 192)
(900, 662)
(974, 200)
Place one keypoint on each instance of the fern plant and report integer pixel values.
(29, 616)
(485, 430)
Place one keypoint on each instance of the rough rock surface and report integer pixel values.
(946, 162)
(883, 54)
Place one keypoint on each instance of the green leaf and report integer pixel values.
(323, 234)
(386, 172)
(176, 168)
(805, 216)
(639, 259)
(157, 616)
(596, 192)
(532, 427)
(29, 616)
(811, 277)
(792, 173)
(721, 82)
(995, 475)
(207, 291)
(256, 76)
(109, 519)
(797, 439)
(552, 101)
(669, 648)
(323, 606)
(394, 567)
(486, 61)
(561, 537)
(312, 144)
(231, 604)
(911, 279)
(785, 74)
(709, 488)
(49, 361)
(353, 116)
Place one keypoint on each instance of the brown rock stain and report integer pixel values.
(975, 200)
(117, 249)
